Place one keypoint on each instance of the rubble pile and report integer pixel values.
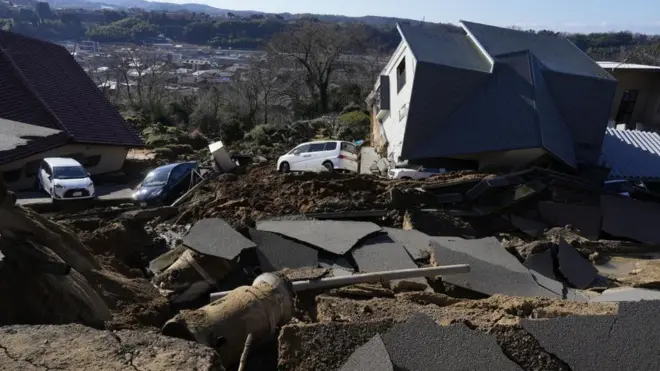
(263, 192)
(55, 278)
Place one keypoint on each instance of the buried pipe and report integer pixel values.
(333, 282)
(226, 324)
(257, 311)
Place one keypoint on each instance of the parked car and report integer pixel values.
(64, 179)
(331, 154)
(164, 184)
(403, 173)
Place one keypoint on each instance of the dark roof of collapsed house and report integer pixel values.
(42, 84)
(503, 90)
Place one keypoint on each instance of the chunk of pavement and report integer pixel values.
(336, 263)
(161, 263)
(372, 356)
(559, 288)
(415, 242)
(627, 341)
(486, 276)
(586, 218)
(276, 253)
(630, 218)
(381, 253)
(626, 294)
(528, 226)
(579, 341)
(215, 237)
(487, 249)
(76, 347)
(337, 237)
(577, 270)
(541, 263)
(420, 344)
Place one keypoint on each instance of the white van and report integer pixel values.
(331, 154)
(64, 179)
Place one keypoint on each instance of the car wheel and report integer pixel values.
(328, 165)
(284, 167)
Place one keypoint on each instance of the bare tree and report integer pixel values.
(317, 47)
(143, 73)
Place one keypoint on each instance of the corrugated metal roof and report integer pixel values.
(631, 154)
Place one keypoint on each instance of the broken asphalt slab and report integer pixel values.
(487, 275)
(420, 344)
(626, 341)
(276, 253)
(372, 356)
(337, 237)
(381, 253)
(215, 237)
(541, 263)
(415, 242)
(630, 218)
(575, 268)
(626, 294)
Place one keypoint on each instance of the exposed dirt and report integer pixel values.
(347, 323)
(75, 347)
(263, 192)
(54, 277)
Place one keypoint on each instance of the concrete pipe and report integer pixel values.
(226, 323)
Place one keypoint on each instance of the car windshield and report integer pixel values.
(69, 172)
(157, 177)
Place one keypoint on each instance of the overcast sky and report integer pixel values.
(560, 15)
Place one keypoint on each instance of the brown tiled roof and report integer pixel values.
(42, 84)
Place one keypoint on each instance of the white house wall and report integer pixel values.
(394, 124)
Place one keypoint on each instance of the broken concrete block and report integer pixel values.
(629, 218)
(626, 294)
(162, 262)
(337, 237)
(415, 242)
(576, 269)
(276, 253)
(488, 274)
(215, 237)
(541, 263)
(586, 218)
(530, 227)
(604, 343)
(381, 253)
(437, 223)
(372, 356)
(420, 344)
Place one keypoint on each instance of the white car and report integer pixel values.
(410, 174)
(331, 154)
(64, 179)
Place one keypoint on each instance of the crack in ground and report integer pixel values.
(130, 361)
(609, 332)
(18, 359)
(523, 349)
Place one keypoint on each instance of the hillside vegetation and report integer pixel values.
(250, 31)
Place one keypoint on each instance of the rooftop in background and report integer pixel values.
(15, 137)
(627, 66)
(631, 154)
(42, 84)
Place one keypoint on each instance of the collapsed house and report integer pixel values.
(489, 96)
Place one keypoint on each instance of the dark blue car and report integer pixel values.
(164, 184)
